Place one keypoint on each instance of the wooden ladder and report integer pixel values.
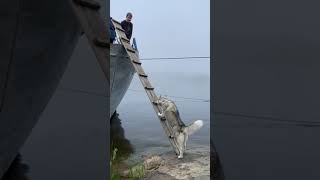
(133, 55)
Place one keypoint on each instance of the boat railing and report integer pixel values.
(133, 45)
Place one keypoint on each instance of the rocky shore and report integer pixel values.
(166, 166)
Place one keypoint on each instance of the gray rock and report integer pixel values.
(153, 162)
(159, 176)
(201, 178)
(194, 165)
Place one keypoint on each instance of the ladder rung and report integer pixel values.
(143, 75)
(149, 88)
(156, 99)
(125, 39)
(120, 29)
(136, 62)
(131, 50)
(115, 21)
(89, 4)
(101, 42)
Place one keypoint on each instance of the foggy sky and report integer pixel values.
(169, 29)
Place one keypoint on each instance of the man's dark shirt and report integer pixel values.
(127, 27)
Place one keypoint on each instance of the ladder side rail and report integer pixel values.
(145, 82)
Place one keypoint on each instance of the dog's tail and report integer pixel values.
(194, 127)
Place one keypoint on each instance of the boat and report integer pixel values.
(37, 41)
(121, 74)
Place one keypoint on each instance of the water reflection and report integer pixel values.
(17, 170)
(118, 138)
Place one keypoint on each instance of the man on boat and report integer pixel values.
(112, 31)
(127, 26)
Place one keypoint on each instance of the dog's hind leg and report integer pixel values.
(180, 153)
(185, 141)
(181, 143)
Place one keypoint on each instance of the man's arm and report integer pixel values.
(122, 23)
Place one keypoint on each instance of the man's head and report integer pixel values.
(129, 17)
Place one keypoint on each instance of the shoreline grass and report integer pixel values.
(136, 171)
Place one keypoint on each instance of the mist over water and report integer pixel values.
(166, 28)
(187, 83)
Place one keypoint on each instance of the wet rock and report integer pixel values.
(194, 165)
(157, 175)
(201, 178)
(153, 162)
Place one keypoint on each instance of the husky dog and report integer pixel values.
(180, 130)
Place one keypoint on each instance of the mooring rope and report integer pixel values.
(178, 58)
(140, 91)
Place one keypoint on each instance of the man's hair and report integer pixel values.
(129, 13)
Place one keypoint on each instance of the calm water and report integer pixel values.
(185, 82)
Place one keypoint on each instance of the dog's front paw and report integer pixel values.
(161, 116)
(180, 156)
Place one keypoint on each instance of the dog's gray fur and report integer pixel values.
(181, 132)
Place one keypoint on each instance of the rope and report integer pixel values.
(177, 58)
(140, 91)
(305, 123)
(180, 97)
